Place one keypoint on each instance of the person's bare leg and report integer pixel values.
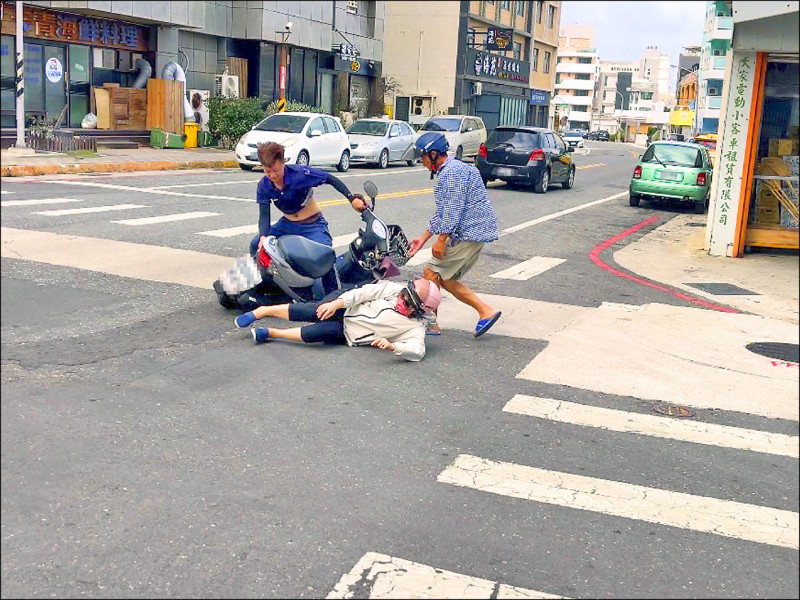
(292, 334)
(280, 311)
(467, 296)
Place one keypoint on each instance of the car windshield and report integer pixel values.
(376, 128)
(681, 156)
(284, 123)
(513, 138)
(573, 133)
(442, 125)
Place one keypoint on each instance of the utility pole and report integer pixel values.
(20, 81)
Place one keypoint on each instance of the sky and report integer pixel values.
(624, 29)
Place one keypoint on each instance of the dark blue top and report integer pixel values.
(297, 184)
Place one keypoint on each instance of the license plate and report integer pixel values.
(669, 175)
(502, 172)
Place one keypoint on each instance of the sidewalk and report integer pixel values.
(116, 160)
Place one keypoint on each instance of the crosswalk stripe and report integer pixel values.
(167, 218)
(663, 427)
(529, 268)
(4, 192)
(38, 201)
(343, 240)
(761, 524)
(251, 229)
(382, 576)
(91, 209)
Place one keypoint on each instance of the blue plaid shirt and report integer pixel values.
(463, 209)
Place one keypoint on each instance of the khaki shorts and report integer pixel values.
(458, 259)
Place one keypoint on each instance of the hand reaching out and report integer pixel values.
(327, 309)
(383, 344)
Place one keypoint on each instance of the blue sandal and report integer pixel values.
(485, 324)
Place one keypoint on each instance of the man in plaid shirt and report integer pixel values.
(464, 222)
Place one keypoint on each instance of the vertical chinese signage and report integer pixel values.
(731, 154)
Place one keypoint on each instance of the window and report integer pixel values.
(539, 10)
(394, 131)
(547, 62)
(551, 16)
(517, 50)
(331, 125)
(535, 65)
(505, 5)
(406, 129)
(316, 125)
(520, 8)
(471, 36)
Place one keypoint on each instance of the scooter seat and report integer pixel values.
(305, 256)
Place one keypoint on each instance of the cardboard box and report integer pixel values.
(768, 216)
(782, 147)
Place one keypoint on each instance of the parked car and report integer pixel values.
(601, 135)
(309, 138)
(574, 137)
(465, 134)
(675, 137)
(529, 155)
(381, 141)
(675, 171)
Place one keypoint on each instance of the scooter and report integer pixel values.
(288, 268)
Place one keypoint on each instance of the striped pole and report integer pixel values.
(20, 82)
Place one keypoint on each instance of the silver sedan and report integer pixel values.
(381, 141)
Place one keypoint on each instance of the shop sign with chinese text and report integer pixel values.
(498, 38)
(493, 66)
(81, 29)
(731, 150)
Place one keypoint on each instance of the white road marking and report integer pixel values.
(4, 192)
(420, 257)
(560, 213)
(130, 188)
(384, 576)
(38, 201)
(662, 427)
(251, 229)
(761, 524)
(126, 259)
(167, 218)
(529, 268)
(251, 181)
(90, 209)
(344, 240)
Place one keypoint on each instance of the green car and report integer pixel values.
(673, 171)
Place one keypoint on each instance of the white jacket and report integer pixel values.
(370, 315)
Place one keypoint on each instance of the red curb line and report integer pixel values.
(594, 255)
(126, 167)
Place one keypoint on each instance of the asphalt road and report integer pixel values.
(149, 449)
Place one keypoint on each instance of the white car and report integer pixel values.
(380, 141)
(309, 138)
(574, 137)
(465, 134)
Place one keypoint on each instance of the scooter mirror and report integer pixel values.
(371, 189)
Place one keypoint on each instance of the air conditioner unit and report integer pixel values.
(226, 85)
(200, 111)
(421, 106)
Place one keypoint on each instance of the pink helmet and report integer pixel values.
(424, 295)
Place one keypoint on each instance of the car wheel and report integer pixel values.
(567, 185)
(460, 153)
(302, 158)
(244, 167)
(700, 206)
(344, 162)
(383, 160)
(411, 163)
(633, 199)
(540, 187)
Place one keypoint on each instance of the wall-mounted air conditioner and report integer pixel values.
(226, 85)
(197, 99)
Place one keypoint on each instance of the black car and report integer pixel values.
(601, 135)
(529, 155)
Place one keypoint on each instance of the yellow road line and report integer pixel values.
(592, 166)
(337, 201)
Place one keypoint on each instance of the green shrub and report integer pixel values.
(230, 118)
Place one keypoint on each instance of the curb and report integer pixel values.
(118, 167)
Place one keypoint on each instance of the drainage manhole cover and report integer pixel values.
(723, 289)
(672, 410)
(776, 350)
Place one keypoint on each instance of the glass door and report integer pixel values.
(55, 84)
(78, 83)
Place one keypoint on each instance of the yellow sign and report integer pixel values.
(281, 104)
(681, 118)
(355, 66)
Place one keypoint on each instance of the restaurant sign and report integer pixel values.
(493, 66)
(81, 29)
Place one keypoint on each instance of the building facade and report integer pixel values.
(441, 64)
(717, 35)
(334, 50)
(576, 76)
(654, 67)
